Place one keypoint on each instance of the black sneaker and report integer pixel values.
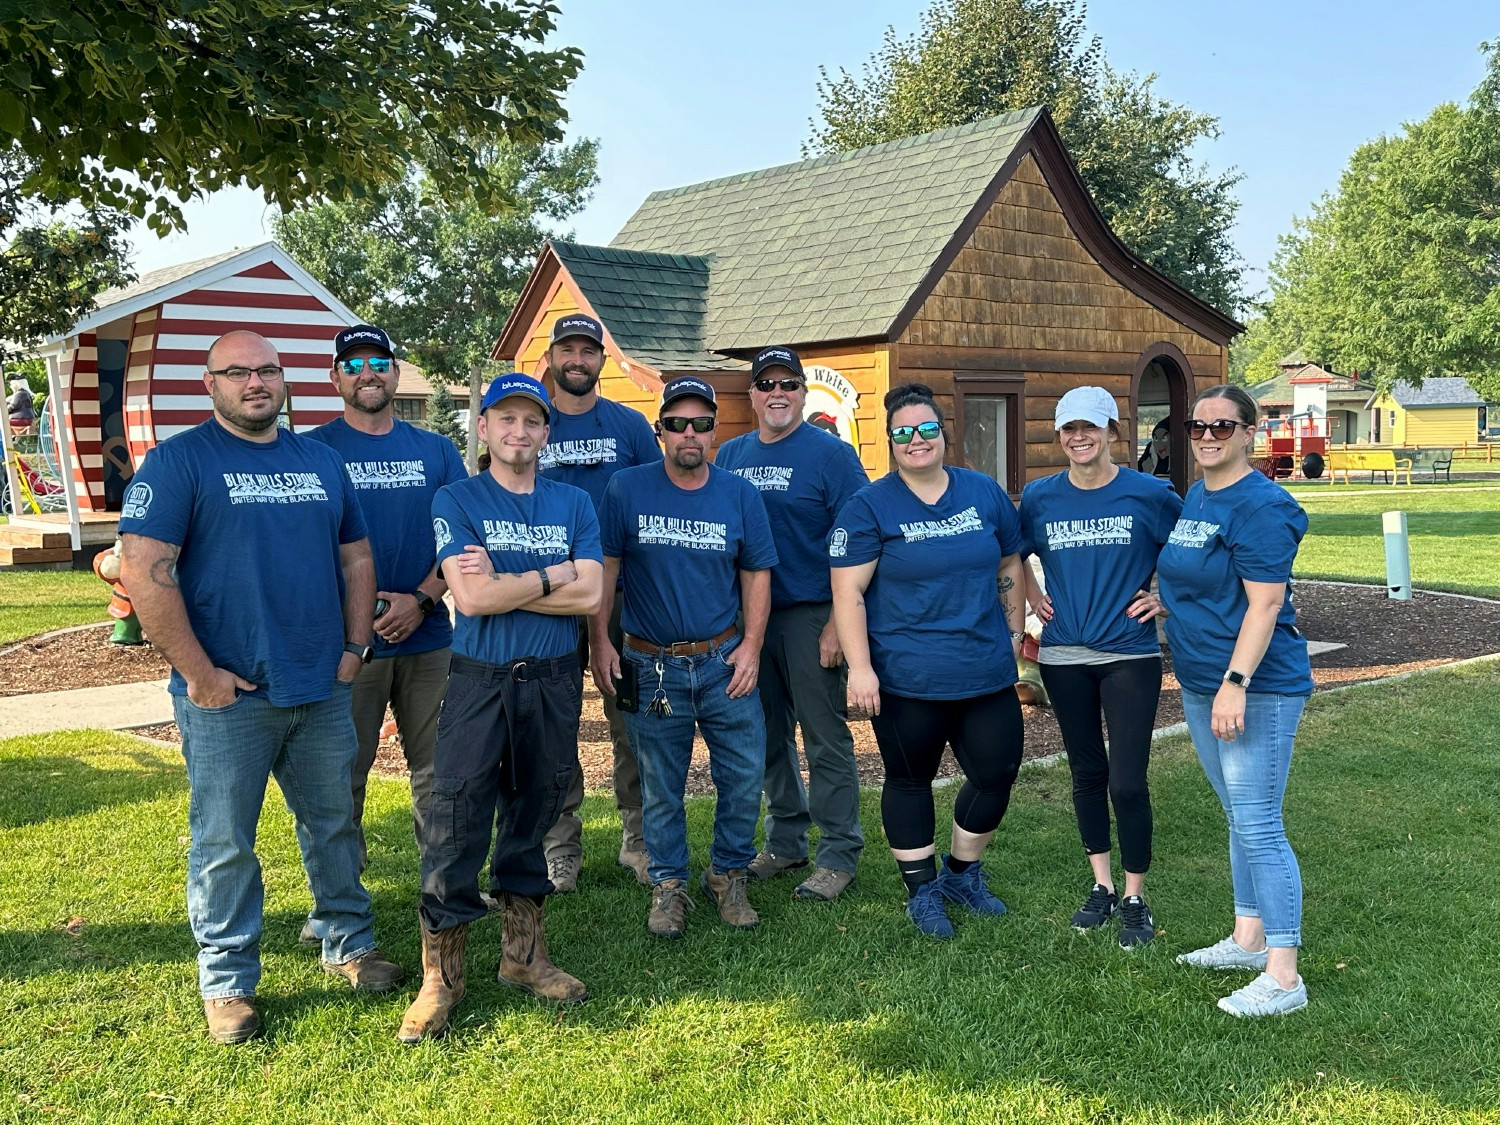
(1096, 909)
(1137, 927)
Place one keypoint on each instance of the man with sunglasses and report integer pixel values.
(804, 476)
(591, 440)
(396, 469)
(695, 549)
(248, 563)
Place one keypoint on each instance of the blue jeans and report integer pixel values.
(735, 731)
(230, 752)
(1249, 775)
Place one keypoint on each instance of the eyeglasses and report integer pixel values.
(1221, 429)
(381, 365)
(766, 386)
(270, 373)
(701, 425)
(930, 431)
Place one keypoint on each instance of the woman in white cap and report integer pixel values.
(1097, 529)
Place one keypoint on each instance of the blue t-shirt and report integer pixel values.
(586, 450)
(1248, 531)
(522, 532)
(933, 614)
(1098, 548)
(805, 479)
(260, 526)
(395, 476)
(681, 550)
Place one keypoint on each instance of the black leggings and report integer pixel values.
(986, 733)
(1123, 694)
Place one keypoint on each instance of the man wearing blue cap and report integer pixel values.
(521, 555)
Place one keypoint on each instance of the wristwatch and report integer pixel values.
(424, 602)
(1015, 636)
(1238, 679)
(364, 652)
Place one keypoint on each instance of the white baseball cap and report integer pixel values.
(1093, 405)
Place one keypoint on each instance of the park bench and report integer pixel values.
(1438, 460)
(1371, 460)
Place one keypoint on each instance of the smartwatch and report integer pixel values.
(364, 652)
(1238, 679)
(424, 602)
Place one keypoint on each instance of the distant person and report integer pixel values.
(20, 407)
(248, 563)
(396, 470)
(1097, 529)
(592, 439)
(1225, 579)
(929, 604)
(805, 476)
(1157, 460)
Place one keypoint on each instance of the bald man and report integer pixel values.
(249, 566)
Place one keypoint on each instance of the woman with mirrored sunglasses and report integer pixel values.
(928, 606)
(1225, 579)
(1097, 529)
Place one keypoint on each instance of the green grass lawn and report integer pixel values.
(837, 1013)
(35, 601)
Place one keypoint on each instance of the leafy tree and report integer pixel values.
(442, 418)
(973, 59)
(1253, 354)
(1397, 273)
(128, 105)
(442, 278)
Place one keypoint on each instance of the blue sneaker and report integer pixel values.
(967, 888)
(925, 908)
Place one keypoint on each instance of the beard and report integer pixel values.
(687, 457)
(253, 417)
(516, 460)
(576, 380)
(365, 404)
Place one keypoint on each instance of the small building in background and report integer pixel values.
(1444, 411)
(1332, 405)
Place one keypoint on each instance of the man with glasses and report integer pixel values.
(591, 440)
(804, 476)
(695, 550)
(396, 470)
(247, 559)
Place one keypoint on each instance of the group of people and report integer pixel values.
(297, 585)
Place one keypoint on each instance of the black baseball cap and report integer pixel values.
(361, 336)
(777, 356)
(577, 324)
(688, 386)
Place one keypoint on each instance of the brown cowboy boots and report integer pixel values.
(442, 984)
(524, 964)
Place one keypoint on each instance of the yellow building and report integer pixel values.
(1443, 411)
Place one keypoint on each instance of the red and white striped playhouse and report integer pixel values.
(130, 374)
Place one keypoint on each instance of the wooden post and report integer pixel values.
(476, 391)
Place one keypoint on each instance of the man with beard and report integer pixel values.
(804, 476)
(521, 554)
(695, 550)
(592, 439)
(396, 470)
(247, 560)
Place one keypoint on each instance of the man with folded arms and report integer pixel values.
(695, 549)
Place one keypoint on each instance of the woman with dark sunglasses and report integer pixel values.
(926, 591)
(1097, 529)
(1226, 582)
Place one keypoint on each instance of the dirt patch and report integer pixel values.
(1383, 638)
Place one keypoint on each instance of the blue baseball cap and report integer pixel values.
(577, 324)
(685, 386)
(516, 385)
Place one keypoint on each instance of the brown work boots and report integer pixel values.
(232, 1019)
(727, 892)
(669, 906)
(442, 984)
(524, 963)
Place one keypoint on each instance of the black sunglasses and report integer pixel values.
(378, 364)
(701, 424)
(1221, 429)
(930, 431)
(765, 386)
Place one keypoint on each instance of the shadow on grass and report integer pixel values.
(1426, 525)
(39, 789)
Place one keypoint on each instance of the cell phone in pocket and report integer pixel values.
(627, 693)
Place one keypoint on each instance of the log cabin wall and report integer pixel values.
(1025, 300)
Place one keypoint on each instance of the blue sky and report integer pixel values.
(679, 91)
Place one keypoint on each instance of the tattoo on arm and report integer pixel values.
(162, 570)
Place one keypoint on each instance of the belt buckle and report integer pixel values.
(518, 672)
(685, 646)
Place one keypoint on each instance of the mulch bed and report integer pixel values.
(1383, 638)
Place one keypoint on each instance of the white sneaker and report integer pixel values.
(1264, 997)
(1226, 954)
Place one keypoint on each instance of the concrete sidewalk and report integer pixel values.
(101, 708)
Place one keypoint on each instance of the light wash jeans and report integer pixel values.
(1249, 775)
(735, 731)
(230, 753)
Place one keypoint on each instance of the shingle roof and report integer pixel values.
(1436, 390)
(824, 249)
(1278, 391)
(160, 279)
(1296, 358)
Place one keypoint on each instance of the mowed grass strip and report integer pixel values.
(827, 1012)
(38, 601)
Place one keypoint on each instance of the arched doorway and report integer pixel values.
(1159, 394)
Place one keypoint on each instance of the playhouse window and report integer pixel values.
(988, 416)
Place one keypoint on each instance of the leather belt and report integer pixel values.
(680, 648)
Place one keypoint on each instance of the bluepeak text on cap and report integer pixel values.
(516, 385)
(361, 336)
(685, 386)
(777, 356)
(577, 324)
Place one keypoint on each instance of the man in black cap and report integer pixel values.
(593, 438)
(804, 476)
(695, 550)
